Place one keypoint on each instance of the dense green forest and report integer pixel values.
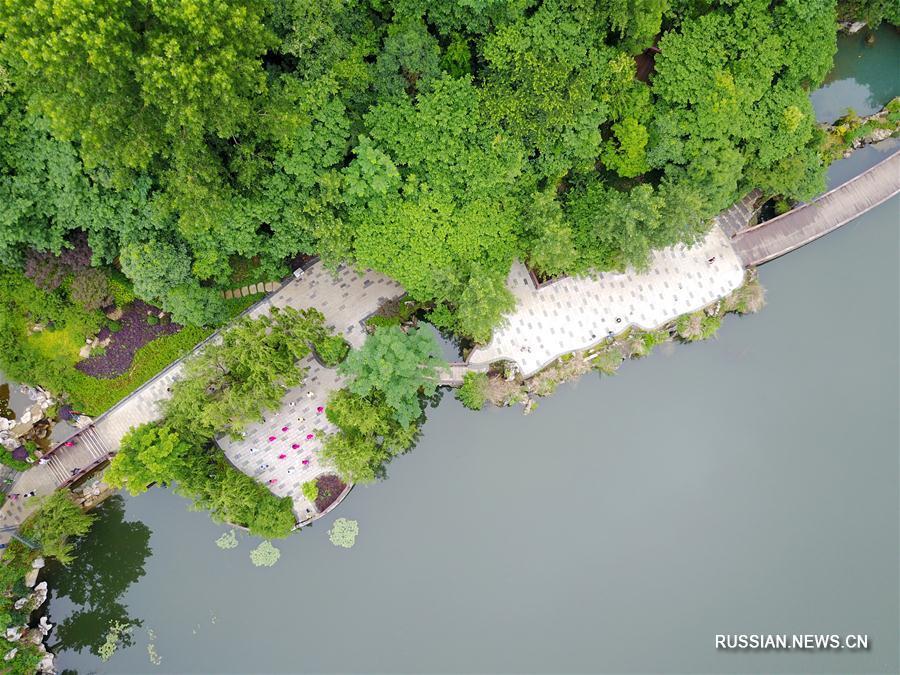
(432, 141)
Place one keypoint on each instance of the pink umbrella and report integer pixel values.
(284, 428)
(320, 409)
(295, 445)
(309, 437)
(271, 438)
(305, 462)
(282, 456)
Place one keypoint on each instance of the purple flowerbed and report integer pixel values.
(330, 488)
(135, 333)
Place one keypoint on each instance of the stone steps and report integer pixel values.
(252, 289)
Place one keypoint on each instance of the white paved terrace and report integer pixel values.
(577, 312)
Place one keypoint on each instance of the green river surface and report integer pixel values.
(748, 484)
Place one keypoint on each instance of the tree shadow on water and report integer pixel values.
(107, 561)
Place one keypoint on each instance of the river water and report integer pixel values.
(744, 485)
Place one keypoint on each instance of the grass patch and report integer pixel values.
(58, 345)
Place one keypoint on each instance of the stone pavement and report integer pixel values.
(577, 312)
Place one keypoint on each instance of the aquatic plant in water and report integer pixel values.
(227, 540)
(343, 532)
(115, 632)
(265, 555)
(155, 658)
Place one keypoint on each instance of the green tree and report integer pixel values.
(402, 366)
(229, 384)
(482, 304)
(148, 454)
(129, 80)
(627, 156)
(369, 435)
(409, 59)
(155, 268)
(873, 12)
(473, 391)
(430, 191)
(57, 520)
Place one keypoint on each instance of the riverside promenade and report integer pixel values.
(826, 213)
(567, 315)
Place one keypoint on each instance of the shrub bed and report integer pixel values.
(330, 488)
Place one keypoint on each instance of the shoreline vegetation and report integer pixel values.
(851, 132)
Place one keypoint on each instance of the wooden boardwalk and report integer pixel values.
(774, 238)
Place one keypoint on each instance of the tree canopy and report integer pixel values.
(401, 366)
(433, 142)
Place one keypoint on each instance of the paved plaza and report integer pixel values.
(577, 312)
(296, 430)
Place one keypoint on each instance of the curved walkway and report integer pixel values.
(796, 228)
(568, 315)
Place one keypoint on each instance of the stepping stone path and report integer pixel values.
(252, 289)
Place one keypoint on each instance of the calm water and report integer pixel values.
(864, 78)
(747, 484)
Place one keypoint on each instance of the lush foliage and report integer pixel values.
(50, 357)
(310, 490)
(872, 12)
(401, 366)
(158, 454)
(432, 141)
(228, 384)
(57, 520)
(343, 532)
(52, 527)
(472, 392)
(369, 435)
(697, 326)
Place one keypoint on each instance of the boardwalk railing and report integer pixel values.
(837, 207)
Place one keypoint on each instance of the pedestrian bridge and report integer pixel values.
(773, 238)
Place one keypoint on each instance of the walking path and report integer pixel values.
(567, 315)
(346, 302)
